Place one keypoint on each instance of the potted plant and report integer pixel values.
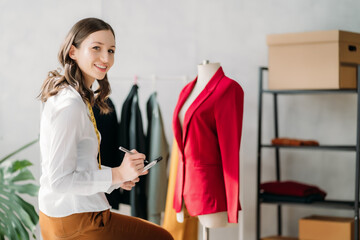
(17, 216)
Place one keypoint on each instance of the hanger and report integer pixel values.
(153, 83)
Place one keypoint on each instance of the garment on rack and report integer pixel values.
(290, 188)
(131, 136)
(157, 146)
(107, 125)
(208, 170)
(294, 142)
(268, 197)
(187, 230)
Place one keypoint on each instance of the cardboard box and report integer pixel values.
(326, 228)
(313, 60)
(279, 238)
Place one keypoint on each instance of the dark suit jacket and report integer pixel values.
(131, 136)
(157, 146)
(107, 125)
(209, 144)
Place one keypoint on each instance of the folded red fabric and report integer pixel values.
(290, 188)
(294, 142)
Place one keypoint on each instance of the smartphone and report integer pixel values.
(152, 163)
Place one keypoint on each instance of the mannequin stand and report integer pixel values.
(205, 233)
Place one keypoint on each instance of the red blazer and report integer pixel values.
(208, 170)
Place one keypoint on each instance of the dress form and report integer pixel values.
(205, 72)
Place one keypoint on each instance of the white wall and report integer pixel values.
(169, 38)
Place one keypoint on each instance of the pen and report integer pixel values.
(127, 151)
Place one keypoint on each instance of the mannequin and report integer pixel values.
(206, 71)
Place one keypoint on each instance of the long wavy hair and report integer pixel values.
(73, 76)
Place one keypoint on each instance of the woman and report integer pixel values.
(72, 202)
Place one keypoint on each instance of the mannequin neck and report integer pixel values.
(206, 72)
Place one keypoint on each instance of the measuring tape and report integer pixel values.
(96, 130)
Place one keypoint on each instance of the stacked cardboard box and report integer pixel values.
(326, 228)
(313, 60)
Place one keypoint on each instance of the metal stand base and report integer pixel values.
(205, 233)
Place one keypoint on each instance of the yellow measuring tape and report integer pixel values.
(96, 130)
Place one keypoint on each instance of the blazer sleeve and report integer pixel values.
(229, 117)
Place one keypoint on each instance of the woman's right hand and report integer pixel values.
(130, 168)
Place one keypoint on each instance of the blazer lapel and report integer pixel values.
(209, 88)
(176, 122)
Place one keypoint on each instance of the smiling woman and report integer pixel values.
(72, 202)
(85, 38)
(95, 56)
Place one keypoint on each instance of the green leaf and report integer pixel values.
(24, 175)
(16, 218)
(20, 230)
(30, 189)
(19, 150)
(22, 214)
(19, 164)
(11, 222)
(3, 230)
(29, 209)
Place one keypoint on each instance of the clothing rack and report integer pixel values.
(152, 77)
(149, 79)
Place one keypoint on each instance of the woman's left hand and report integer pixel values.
(129, 184)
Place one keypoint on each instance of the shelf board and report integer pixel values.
(321, 147)
(279, 238)
(322, 91)
(347, 205)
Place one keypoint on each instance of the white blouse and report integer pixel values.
(71, 181)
